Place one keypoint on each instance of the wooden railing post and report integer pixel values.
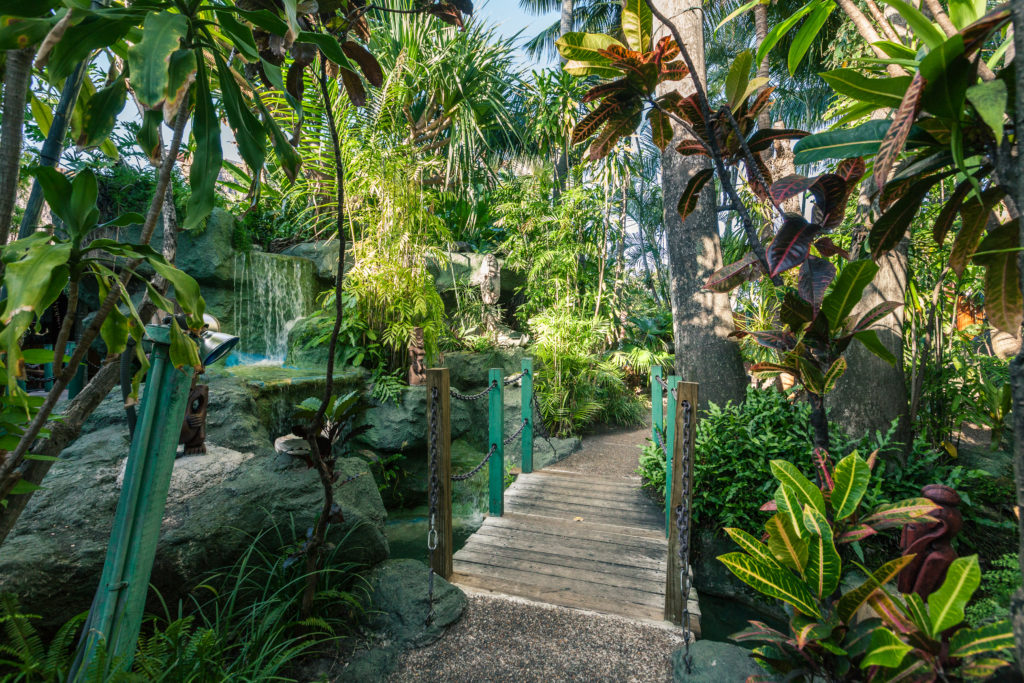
(674, 598)
(657, 407)
(438, 378)
(527, 413)
(670, 440)
(496, 439)
(78, 381)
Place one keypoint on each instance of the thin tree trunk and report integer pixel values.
(17, 77)
(867, 31)
(760, 33)
(702, 320)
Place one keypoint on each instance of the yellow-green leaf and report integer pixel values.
(771, 581)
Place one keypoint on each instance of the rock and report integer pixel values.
(399, 605)
(714, 662)
(216, 505)
(468, 370)
(324, 255)
(207, 254)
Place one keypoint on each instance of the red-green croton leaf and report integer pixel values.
(815, 276)
(729, 277)
(998, 254)
(589, 124)
(827, 248)
(763, 139)
(890, 228)
(899, 129)
(944, 221)
(691, 195)
(661, 128)
(605, 89)
(791, 245)
(618, 127)
(851, 171)
(690, 146)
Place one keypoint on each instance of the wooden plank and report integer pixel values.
(590, 571)
(438, 379)
(643, 519)
(561, 599)
(496, 440)
(591, 530)
(648, 559)
(553, 585)
(686, 404)
(631, 492)
(582, 480)
(635, 498)
(581, 501)
(627, 565)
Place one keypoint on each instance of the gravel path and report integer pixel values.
(608, 453)
(501, 638)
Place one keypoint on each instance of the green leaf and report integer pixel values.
(896, 50)
(81, 39)
(330, 46)
(784, 542)
(754, 547)
(946, 605)
(884, 92)
(782, 28)
(22, 33)
(23, 486)
(990, 98)
(148, 137)
(738, 77)
(180, 74)
(823, 563)
(637, 21)
(892, 225)
(206, 161)
(287, 156)
(852, 601)
(808, 494)
(239, 33)
(870, 340)
(771, 581)
(886, 649)
(28, 276)
(250, 134)
(929, 34)
(746, 7)
(148, 60)
(847, 289)
(909, 511)
(101, 114)
(862, 140)
(183, 352)
(812, 378)
(948, 74)
(851, 476)
(963, 13)
(807, 34)
(989, 638)
(84, 192)
(583, 47)
(577, 68)
(834, 373)
(114, 330)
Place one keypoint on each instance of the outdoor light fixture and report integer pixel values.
(116, 614)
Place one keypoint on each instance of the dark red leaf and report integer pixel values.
(295, 84)
(691, 146)
(590, 123)
(752, 178)
(367, 62)
(789, 186)
(977, 33)
(826, 247)
(851, 170)
(448, 14)
(794, 311)
(727, 278)
(974, 216)
(690, 110)
(763, 139)
(899, 129)
(617, 127)
(354, 87)
(691, 195)
(791, 245)
(890, 228)
(815, 276)
(830, 194)
(599, 91)
(774, 339)
(948, 212)
(760, 102)
(876, 314)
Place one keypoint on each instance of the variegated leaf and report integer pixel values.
(899, 129)
(771, 581)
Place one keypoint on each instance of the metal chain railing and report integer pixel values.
(435, 491)
(683, 526)
(664, 385)
(515, 435)
(479, 466)
(472, 397)
(515, 378)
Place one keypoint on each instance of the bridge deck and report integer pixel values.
(574, 540)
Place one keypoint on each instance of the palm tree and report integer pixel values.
(592, 16)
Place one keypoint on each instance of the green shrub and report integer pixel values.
(998, 585)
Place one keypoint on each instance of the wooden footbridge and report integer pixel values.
(560, 537)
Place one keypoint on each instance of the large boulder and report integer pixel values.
(207, 254)
(324, 255)
(714, 662)
(217, 504)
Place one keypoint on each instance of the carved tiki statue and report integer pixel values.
(417, 354)
(193, 429)
(929, 542)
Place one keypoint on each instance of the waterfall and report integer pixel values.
(271, 293)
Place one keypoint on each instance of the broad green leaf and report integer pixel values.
(851, 476)
(15, 35)
(785, 543)
(114, 330)
(250, 134)
(852, 601)
(834, 373)
(884, 92)
(23, 486)
(771, 581)
(927, 32)
(208, 156)
(963, 13)
(57, 191)
(330, 46)
(583, 47)
(886, 650)
(946, 605)
(948, 74)
(989, 638)
(28, 279)
(738, 77)
(287, 157)
(180, 74)
(806, 492)
(788, 504)
(239, 33)
(753, 546)
(860, 141)
(807, 34)
(186, 289)
(998, 253)
(575, 67)
(101, 114)
(782, 28)
(183, 352)
(823, 564)
(896, 50)
(148, 137)
(84, 192)
(917, 612)
(81, 39)
(42, 114)
(811, 377)
(847, 289)
(909, 511)
(746, 7)
(636, 24)
(870, 340)
(990, 98)
(148, 60)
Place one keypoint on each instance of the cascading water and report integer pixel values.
(271, 293)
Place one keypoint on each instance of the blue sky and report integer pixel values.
(510, 19)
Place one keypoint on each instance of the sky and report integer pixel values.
(510, 19)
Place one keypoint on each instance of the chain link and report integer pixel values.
(515, 378)
(435, 490)
(473, 397)
(480, 466)
(519, 431)
(683, 526)
(662, 382)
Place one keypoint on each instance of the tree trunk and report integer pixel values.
(1016, 176)
(760, 33)
(18, 74)
(701, 319)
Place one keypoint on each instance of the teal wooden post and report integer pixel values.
(77, 382)
(670, 444)
(657, 409)
(116, 613)
(48, 370)
(527, 412)
(496, 439)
